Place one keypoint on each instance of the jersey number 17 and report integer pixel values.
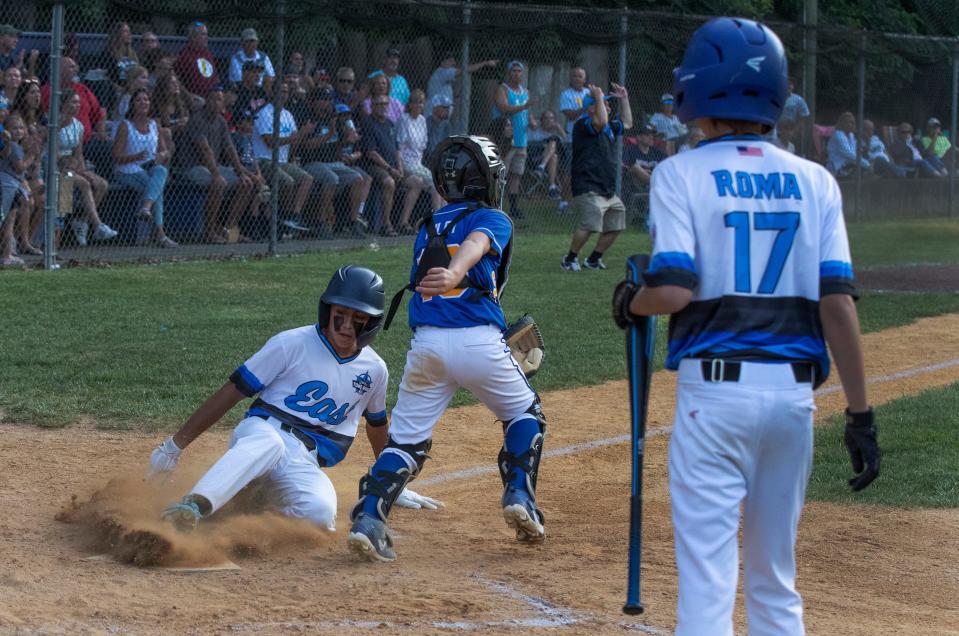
(785, 223)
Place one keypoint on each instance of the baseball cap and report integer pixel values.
(512, 63)
(392, 52)
(666, 98)
(242, 114)
(9, 29)
(932, 121)
(249, 34)
(252, 65)
(217, 88)
(645, 129)
(321, 74)
(440, 101)
(341, 108)
(588, 100)
(322, 93)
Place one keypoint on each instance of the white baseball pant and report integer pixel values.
(746, 443)
(439, 361)
(258, 448)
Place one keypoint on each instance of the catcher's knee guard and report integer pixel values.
(396, 465)
(519, 457)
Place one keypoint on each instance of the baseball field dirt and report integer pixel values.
(75, 492)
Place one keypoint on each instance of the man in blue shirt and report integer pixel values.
(594, 176)
(460, 267)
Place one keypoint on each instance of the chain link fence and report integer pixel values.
(163, 138)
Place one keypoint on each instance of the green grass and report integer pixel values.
(142, 346)
(891, 242)
(919, 437)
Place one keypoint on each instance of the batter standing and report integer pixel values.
(457, 342)
(313, 383)
(750, 257)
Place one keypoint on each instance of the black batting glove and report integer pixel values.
(863, 447)
(622, 296)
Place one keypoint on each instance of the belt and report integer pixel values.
(308, 441)
(720, 370)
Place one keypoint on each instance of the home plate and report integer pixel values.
(225, 565)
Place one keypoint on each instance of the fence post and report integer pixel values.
(275, 185)
(623, 30)
(52, 207)
(860, 115)
(952, 125)
(810, 46)
(466, 94)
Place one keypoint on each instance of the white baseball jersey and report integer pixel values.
(299, 373)
(758, 235)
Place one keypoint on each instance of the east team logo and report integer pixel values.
(311, 398)
(362, 383)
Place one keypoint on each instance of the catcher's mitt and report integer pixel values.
(526, 344)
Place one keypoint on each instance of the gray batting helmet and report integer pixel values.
(360, 289)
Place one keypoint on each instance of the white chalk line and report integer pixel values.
(476, 471)
(654, 432)
(550, 615)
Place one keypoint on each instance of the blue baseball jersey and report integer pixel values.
(299, 373)
(758, 235)
(465, 306)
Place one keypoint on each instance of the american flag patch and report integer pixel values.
(748, 151)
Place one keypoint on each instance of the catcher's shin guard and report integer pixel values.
(519, 466)
(518, 460)
(396, 465)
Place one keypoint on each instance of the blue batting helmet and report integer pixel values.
(733, 68)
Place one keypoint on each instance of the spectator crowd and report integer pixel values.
(144, 125)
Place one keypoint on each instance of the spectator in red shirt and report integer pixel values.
(196, 66)
(91, 114)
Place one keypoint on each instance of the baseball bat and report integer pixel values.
(640, 339)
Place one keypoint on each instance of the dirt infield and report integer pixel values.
(862, 570)
(910, 278)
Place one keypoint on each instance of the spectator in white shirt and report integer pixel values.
(666, 123)
(292, 178)
(249, 53)
(444, 77)
(571, 100)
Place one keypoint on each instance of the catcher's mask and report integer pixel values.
(468, 168)
(360, 289)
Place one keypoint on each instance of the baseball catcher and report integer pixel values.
(460, 267)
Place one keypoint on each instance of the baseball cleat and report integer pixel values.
(570, 266)
(369, 539)
(521, 514)
(184, 515)
(597, 264)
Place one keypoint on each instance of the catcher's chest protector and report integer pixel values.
(437, 254)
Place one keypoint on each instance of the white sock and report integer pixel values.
(359, 210)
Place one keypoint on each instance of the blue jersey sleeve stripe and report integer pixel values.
(376, 419)
(672, 260)
(247, 383)
(835, 269)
